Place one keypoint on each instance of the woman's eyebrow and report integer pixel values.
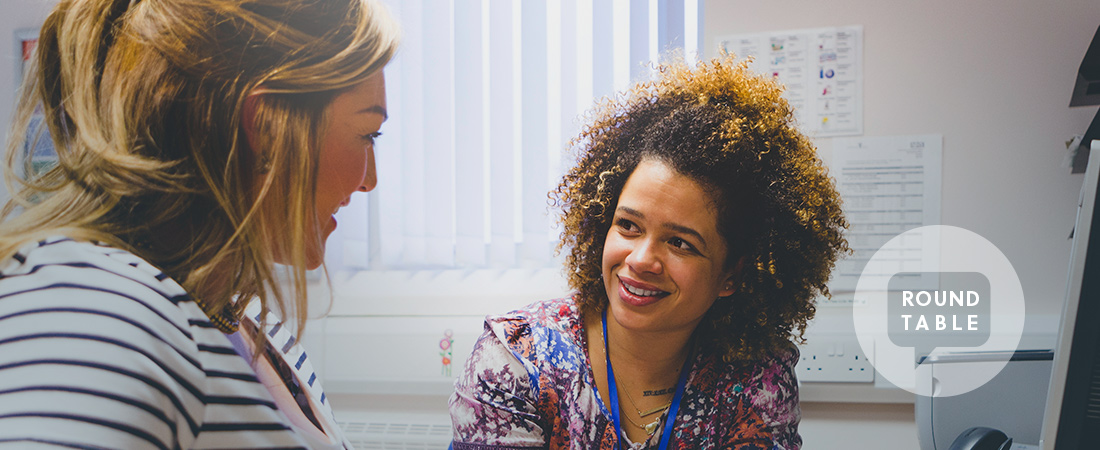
(631, 211)
(375, 109)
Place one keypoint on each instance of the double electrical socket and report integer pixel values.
(833, 359)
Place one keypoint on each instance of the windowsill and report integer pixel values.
(436, 293)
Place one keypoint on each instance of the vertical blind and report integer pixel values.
(483, 97)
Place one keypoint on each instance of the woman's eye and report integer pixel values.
(369, 138)
(627, 225)
(681, 244)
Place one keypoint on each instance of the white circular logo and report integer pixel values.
(913, 313)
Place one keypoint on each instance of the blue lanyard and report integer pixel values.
(675, 406)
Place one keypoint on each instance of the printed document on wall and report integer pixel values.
(821, 68)
(889, 185)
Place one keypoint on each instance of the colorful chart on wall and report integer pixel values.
(822, 69)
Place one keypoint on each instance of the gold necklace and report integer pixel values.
(642, 414)
(649, 428)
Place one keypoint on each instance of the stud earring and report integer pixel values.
(264, 165)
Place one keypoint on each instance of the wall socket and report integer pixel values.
(835, 360)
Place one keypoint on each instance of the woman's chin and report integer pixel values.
(631, 318)
(315, 257)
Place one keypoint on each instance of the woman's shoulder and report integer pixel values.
(91, 327)
(773, 376)
(767, 382)
(60, 280)
(83, 263)
(541, 319)
(753, 403)
(782, 358)
(771, 371)
(546, 331)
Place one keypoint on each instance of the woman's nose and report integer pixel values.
(645, 258)
(370, 177)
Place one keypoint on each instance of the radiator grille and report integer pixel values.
(376, 433)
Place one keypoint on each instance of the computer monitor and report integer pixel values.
(1072, 416)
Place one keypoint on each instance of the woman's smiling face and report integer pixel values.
(664, 262)
(345, 165)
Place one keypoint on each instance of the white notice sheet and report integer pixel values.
(889, 185)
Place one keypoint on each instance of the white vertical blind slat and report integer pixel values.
(620, 45)
(639, 37)
(501, 75)
(561, 129)
(413, 161)
(693, 33)
(438, 220)
(388, 197)
(486, 149)
(585, 49)
(674, 26)
(603, 49)
(654, 24)
(389, 153)
(555, 102)
(469, 113)
(535, 102)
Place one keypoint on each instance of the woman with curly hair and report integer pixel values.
(700, 226)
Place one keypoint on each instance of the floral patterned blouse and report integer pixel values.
(529, 383)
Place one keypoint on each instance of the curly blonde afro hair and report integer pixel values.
(778, 210)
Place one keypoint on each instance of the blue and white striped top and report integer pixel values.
(98, 348)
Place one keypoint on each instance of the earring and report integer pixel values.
(264, 165)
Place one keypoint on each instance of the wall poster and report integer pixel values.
(822, 69)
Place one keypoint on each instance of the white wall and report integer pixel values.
(15, 15)
(994, 77)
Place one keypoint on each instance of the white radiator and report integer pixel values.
(396, 431)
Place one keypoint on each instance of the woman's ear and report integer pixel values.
(249, 120)
(730, 284)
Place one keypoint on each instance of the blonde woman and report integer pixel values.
(199, 143)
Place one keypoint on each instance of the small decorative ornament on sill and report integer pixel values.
(446, 351)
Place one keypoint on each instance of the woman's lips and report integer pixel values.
(636, 293)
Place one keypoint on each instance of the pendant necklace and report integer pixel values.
(673, 407)
(651, 427)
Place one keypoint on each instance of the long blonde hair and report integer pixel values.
(143, 101)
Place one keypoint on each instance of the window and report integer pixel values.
(484, 96)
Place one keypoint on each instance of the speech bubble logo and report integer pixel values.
(954, 314)
(967, 263)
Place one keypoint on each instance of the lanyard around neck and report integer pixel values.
(666, 434)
